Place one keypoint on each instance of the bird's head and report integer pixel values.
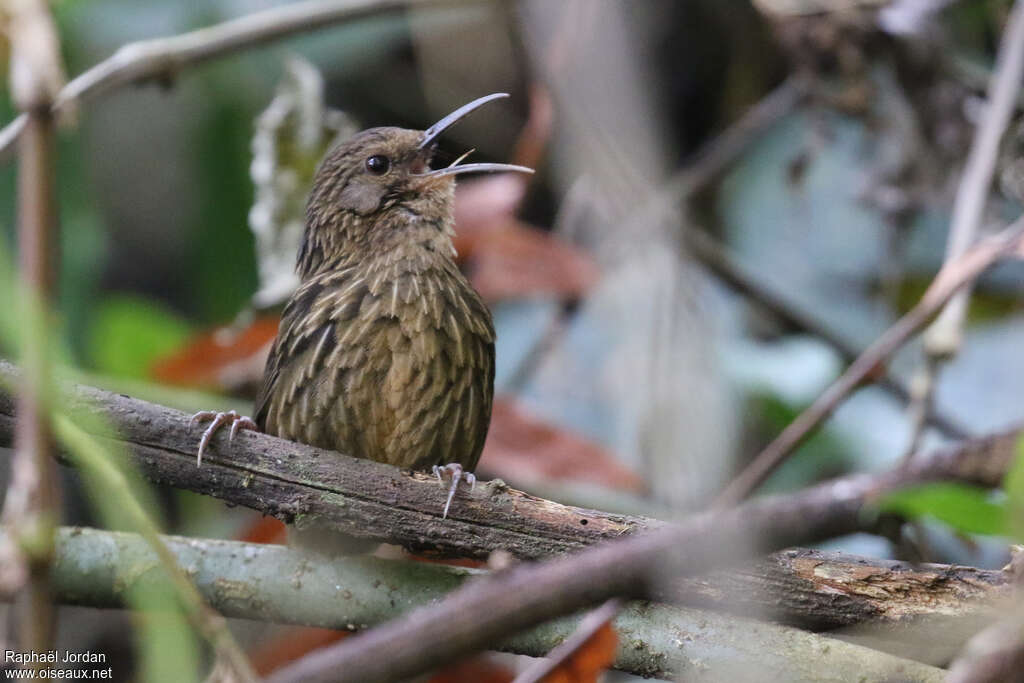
(377, 187)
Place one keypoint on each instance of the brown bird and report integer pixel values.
(384, 351)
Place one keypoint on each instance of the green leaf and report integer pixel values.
(1013, 484)
(130, 332)
(965, 508)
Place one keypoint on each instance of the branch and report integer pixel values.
(716, 156)
(374, 500)
(823, 591)
(267, 474)
(526, 595)
(32, 505)
(272, 583)
(300, 484)
(952, 278)
(944, 337)
(160, 59)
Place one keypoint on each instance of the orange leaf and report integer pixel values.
(516, 260)
(264, 530)
(522, 447)
(223, 359)
(478, 669)
(483, 205)
(590, 660)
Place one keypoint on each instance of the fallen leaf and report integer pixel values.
(506, 257)
(523, 448)
(478, 669)
(264, 530)
(515, 260)
(226, 359)
(590, 660)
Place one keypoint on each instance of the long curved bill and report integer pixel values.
(476, 168)
(430, 134)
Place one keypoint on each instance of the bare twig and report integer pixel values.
(164, 58)
(953, 276)
(32, 507)
(944, 336)
(713, 158)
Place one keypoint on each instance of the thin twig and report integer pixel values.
(32, 507)
(164, 58)
(716, 156)
(953, 276)
(944, 337)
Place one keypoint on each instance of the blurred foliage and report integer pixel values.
(128, 333)
(220, 282)
(969, 509)
(167, 644)
(965, 508)
(711, 60)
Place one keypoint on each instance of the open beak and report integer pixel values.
(431, 134)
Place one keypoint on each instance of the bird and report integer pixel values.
(384, 351)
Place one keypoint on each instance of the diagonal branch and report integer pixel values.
(99, 568)
(164, 58)
(944, 337)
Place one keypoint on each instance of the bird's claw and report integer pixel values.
(457, 474)
(217, 420)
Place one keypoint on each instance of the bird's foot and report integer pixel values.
(456, 473)
(218, 420)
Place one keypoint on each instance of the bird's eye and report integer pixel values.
(378, 164)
